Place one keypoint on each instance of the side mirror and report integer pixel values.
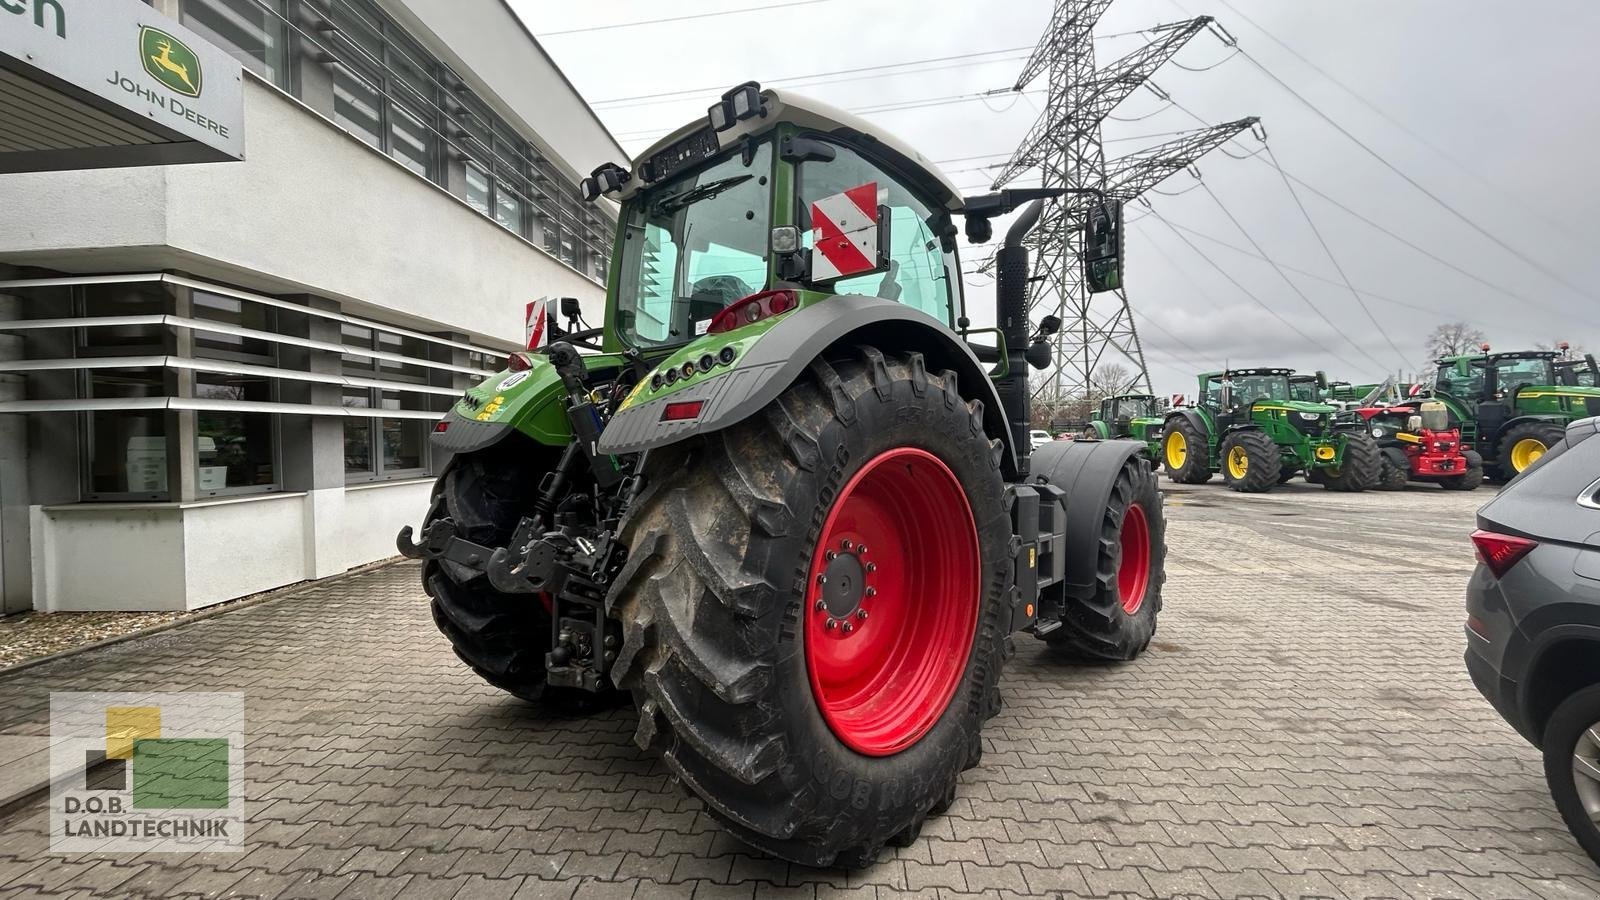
(1049, 325)
(1102, 247)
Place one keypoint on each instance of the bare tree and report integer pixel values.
(1108, 381)
(1453, 339)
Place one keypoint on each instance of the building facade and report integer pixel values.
(218, 379)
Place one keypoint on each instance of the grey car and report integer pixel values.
(1533, 619)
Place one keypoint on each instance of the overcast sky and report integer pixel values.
(1508, 90)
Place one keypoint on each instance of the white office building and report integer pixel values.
(218, 378)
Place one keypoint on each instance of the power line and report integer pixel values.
(791, 78)
(1395, 121)
(864, 110)
(1286, 279)
(1335, 260)
(1442, 203)
(1246, 291)
(704, 15)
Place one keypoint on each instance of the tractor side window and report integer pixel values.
(1512, 373)
(920, 273)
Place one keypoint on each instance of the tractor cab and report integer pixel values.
(1513, 406)
(1308, 388)
(1494, 377)
(1136, 416)
(1578, 372)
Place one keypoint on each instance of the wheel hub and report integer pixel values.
(843, 581)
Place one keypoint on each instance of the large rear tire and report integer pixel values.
(801, 744)
(1184, 450)
(1468, 480)
(1523, 445)
(1118, 621)
(1360, 467)
(1251, 462)
(502, 637)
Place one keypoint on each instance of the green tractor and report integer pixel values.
(1578, 372)
(1512, 407)
(1132, 416)
(1309, 388)
(781, 500)
(1247, 426)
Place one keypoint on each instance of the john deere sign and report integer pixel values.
(112, 83)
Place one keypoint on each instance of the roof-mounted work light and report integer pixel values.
(603, 180)
(736, 105)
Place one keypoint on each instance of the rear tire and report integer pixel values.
(1567, 737)
(1468, 480)
(1119, 620)
(717, 610)
(502, 637)
(1525, 443)
(1251, 463)
(1360, 467)
(1185, 455)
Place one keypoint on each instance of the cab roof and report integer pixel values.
(798, 109)
(1509, 354)
(1254, 371)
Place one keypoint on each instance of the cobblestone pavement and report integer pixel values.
(1302, 726)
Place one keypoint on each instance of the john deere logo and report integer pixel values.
(170, 61)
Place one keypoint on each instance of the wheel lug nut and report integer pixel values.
(861, 548)
(872, 567)
(830, 555)
(872, 592)
(832, 624)
(861, 614)
(849, 628)
(820, 606)
(847, 544)
(822, 579)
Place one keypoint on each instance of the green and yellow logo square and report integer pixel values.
(170, 61)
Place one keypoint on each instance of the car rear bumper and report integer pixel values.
(1501, 692)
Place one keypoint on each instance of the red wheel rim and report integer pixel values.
(1133, 572)
(892, 603)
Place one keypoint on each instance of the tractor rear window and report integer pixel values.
(693, 245)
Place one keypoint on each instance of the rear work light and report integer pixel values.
(685, 409)
(753, 308)
(1501, 551)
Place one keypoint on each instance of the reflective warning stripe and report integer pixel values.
(845, 229)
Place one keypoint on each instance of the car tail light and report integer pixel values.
(519, 362)
(753, 308)
(1500, 551)
(686, 409)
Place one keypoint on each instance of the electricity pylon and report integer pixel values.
(1064, 146)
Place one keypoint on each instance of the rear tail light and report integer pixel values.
(519, 362)
(686, 409)
(441, 426)
(1501, 551)
(753, 308)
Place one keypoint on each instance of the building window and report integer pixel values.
(125, 452)
(235, 451)
(239, 314)
(381, 448)
(252, 30)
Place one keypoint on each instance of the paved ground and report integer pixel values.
(1302, 726)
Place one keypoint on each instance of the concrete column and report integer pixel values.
(16, 577)
(311, 448)
(183, 460)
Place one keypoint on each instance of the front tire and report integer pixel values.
(1523, 445)
(1468, 480)
(724, 612)
(1359, 468)
(1572, 766)
(1250, 462)
(1118, 621)
(1390, 476)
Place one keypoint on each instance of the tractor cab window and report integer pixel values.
(1512, 372)
(1305, 390)
(1137, 408)
(920, 273)
(1248, 389)
(692, 246)
(1462, 378)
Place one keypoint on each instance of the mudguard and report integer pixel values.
(1085, 471)
(1101, 428)
(1193, 417)
(774, 360)
(532, 401)
(1396, 458)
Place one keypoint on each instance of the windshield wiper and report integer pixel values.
(674, 202)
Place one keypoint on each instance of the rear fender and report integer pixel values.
(783, 351)
(1085, 471)
(532, 401)
(1101, 429)
(1194, 418)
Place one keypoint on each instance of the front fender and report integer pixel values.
(783, 352)
(1101, 429)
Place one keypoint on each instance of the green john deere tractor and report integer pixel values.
(1246, 426)
(1512, 407)
(1579, 371)
(1133, 416)
(782, 499)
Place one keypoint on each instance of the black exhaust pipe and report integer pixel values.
(1011, 315)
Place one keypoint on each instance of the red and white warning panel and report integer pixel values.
(845, 231)
(537, 324)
